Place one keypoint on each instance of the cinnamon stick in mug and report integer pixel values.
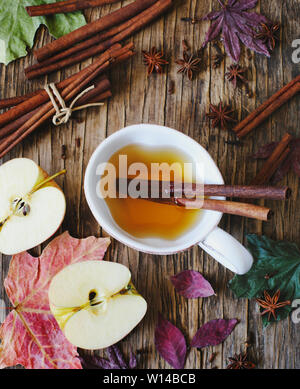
(191, 189)
(233, 208)
(230, 207)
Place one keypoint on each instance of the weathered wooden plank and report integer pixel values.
(138, 98)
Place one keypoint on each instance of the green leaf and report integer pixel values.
(276, 266)
(17, 28)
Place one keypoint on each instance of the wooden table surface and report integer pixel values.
(141, 99)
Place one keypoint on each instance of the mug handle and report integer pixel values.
(228, 251)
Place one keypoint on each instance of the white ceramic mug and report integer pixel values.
(206, 233)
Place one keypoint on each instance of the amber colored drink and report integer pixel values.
(142, 218)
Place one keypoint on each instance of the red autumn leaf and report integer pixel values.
(214, 332)
(170, 343)
(191, 284)
(236, 24)
(30, 335)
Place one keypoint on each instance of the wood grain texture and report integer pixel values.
(141, 99)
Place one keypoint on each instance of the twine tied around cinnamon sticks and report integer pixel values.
(63, 113)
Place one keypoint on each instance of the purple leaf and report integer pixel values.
(236, 24)
(283, 170)
(265, 151)
(191, 284)
(103, 363)
(95, 362)
(254, 19)
(132, 361)
(257, 46)
(170, 343)
(214, 332)
(243, 5)
(115, 360)
(120, 359)
(296, 165)
(212, 15)
(231, 43)
(213, 31)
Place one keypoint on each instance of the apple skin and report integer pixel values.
(46, 226)
(100, 321)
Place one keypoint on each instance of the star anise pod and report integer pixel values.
(270, 304)
(268, 34)
(189, 65)
(240, 361)
(220, 115)
(235, 74)
(154, 60)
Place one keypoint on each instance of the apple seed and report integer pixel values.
(92, 295)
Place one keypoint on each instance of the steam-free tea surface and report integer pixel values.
(138, 98)
(143, 218)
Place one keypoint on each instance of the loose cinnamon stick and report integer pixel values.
(87, 44)
(153, 12)
(35, 101)
(65, 7)
(175, 189)
(93, 28)
(267, 108)
(224, 206)
(273, 162)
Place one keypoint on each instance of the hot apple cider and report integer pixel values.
(142, 218)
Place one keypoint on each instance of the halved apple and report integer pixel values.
(32, 206)
(95, 303)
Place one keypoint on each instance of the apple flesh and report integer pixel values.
(32, 206)
(95, 303)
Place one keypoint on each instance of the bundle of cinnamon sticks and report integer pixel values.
(28, 114)
(96, 37)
